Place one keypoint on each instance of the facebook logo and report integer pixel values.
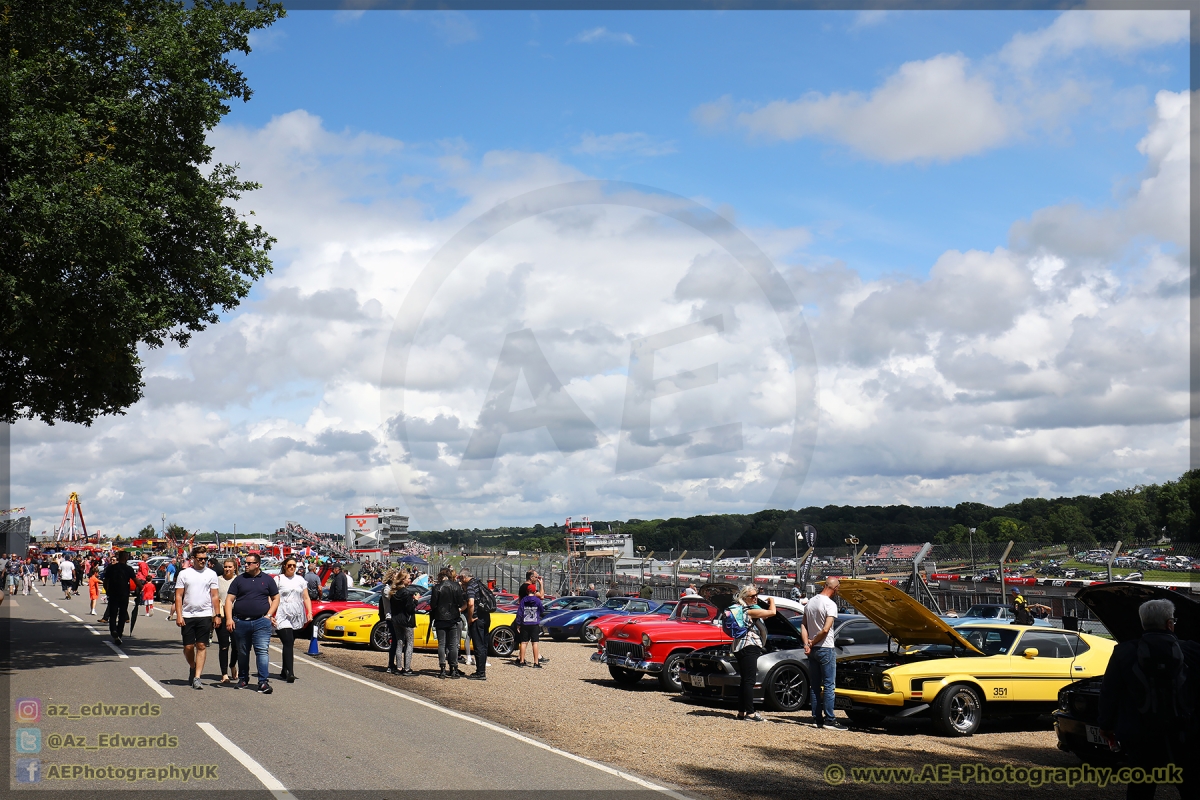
(29, 740)
(29, 770)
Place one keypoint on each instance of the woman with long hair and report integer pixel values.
(400, 608)
(293, 613)
(748, 646)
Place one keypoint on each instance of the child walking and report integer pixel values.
(94, 589)
(148, 596)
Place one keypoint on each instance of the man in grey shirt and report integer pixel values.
(313, 579)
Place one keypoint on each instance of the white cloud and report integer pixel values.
(1119, 32)
(927, 111)
(642, 144)
(1055, 364)
(601, 34)
(868, 19)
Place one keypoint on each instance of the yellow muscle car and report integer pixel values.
(363, 626)
(954, 674)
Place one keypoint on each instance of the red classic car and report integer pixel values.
(604, 625)
(655, 646)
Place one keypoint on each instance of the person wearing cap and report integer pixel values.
(339, 585)
(1020, 609)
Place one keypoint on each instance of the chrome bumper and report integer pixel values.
(626, 663)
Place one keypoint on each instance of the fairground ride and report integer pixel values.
(72, 528)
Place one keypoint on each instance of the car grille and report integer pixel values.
(625, 650)
(703, 664)
(334, 633)
(862, 681)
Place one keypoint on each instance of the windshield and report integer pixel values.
(616, 602)
(985, 612)
(991, 641)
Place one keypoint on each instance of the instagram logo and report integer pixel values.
(29, 709)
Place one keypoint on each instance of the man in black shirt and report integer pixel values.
(479, 622)
(116, 585)
(249, 604)
(445, 607)
(338, 584)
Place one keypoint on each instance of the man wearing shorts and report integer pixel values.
(195, 606)
(66, 571)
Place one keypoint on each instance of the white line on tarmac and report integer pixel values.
(257, 770)
(56, 605)
(77, 619)
(63, 610)
(115, 649)
(93, 630)
(153, 684)
(497, 728)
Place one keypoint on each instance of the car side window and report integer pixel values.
(1051, 644)
(863, 633)
(695, 611)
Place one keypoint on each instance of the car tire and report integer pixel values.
(503, 642)
(625, 677)
(864, 717)
(957, 710)
(668, 679)
(590, 634)
(558, 635)
(786, 688)
(381, 636)
(319, 623)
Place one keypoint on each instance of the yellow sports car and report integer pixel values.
(954, 674)
(363, 626)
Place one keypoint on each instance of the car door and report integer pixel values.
(1039, 678)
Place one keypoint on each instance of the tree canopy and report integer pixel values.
(117, 230)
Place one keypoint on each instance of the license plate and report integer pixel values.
(698, 681)
(1094, 736)
(339, 627)
(842, 703)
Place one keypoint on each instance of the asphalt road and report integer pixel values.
(75, 699)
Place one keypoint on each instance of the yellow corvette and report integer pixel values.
(953, 675)
(363, 626)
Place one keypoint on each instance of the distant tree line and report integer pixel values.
(1141, 514)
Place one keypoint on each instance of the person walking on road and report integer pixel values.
(148, 591)
(480, 605)
(116, 586)
(1148, 699)
(820, 614)
(196, 608)
(445, 606)
(749, 636)
(529, 612)
(93, 589)
(293, 612)
(66, 573)
(339, 585)
(252, 599)
(224, 635)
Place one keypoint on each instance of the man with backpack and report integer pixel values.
(480, 605)
(1148, 699)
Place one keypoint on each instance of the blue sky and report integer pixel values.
(983, 215)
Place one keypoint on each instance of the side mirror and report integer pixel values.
(1030, 652)
(844, 641)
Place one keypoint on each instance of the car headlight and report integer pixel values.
(645, 640)
(1063, 703)
(887, 683)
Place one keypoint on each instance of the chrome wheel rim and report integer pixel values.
(591, 634)
(381, 637)
(502, 641)
(319, 624)
(964, 711)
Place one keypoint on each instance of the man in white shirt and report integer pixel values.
(820, 614)
(66, 572)
(196, 605)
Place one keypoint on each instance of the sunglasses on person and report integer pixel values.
(252, 563)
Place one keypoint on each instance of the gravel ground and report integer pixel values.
(573, 704)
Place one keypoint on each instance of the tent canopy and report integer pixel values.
(414, 560)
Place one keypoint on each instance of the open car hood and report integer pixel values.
(719, 594)
(900, 616)
(1116, 605)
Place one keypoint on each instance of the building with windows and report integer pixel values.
(376, 531)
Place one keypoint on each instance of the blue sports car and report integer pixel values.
(564, 624)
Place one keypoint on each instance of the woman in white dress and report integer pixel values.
(293, 613)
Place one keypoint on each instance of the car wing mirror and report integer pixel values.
(1030, 652)
(844, 641)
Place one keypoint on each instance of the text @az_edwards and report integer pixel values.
(111, 741)
(1085, 775)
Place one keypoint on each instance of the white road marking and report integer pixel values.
(93, 630)
(153, 684)
(64, 611)
(13, 602)
(56, 605)
(497, 728)
(257, 770)
(77, 619)
(115, 649)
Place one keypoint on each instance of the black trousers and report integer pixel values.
(118, 615)
(287, 638)
(224, 639)
(747, 659)
(479, 632)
